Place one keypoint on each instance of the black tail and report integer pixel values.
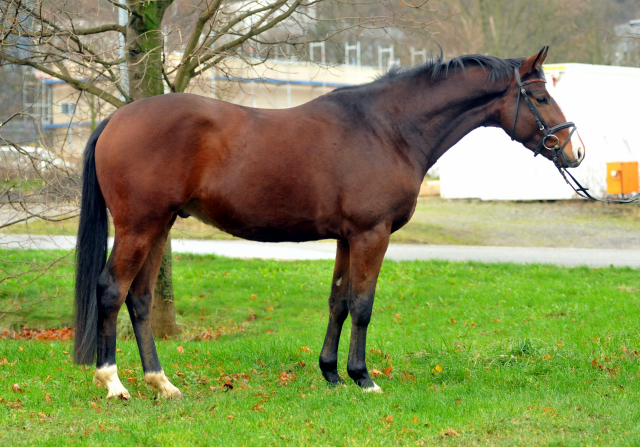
(91, 254)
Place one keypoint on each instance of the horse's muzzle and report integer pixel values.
(578, 152)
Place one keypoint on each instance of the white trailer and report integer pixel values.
(603, 101)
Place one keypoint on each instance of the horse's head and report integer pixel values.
(532, 116)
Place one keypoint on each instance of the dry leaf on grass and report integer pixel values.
(387, 420)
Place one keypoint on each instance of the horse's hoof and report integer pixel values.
(170, 392)
(122, 394)
(333, 378)
(161, 383)
(373, 389)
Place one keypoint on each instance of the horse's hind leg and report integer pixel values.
(139, 302)
(338, 311)
(367, 253)
(128, 255)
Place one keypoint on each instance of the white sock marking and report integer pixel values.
(108, 376)
(373, 389)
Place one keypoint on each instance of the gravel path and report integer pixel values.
(399, 252)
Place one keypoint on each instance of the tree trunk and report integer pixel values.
(163, 313)
(144, 66)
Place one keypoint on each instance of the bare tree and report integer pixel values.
(113, 52)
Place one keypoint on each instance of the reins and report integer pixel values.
(583, 192)
(557, 151)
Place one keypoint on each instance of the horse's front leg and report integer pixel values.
(367, 253)
(338, 311)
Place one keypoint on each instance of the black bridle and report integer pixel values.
(548, 132)
(557, 151)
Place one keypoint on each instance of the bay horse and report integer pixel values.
(346, 166)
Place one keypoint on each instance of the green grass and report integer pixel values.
(501, 354)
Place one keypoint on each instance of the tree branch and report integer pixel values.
(75, 83)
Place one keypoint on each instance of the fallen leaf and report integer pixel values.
(387, 371)
(42, 416)
(305, 349)
(95, 406)
(437, 370)
(132, 379)
(453, 320)
(47, 398)
(16, 388)
(254, 296)
(375, 373)
(387, 420)
(415, 419)
(451, 432)
(270, 309)
(180, 349)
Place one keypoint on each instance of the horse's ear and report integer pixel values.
(534, 63)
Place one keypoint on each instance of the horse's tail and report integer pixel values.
(91, 253)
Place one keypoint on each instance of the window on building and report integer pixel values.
(67, 108)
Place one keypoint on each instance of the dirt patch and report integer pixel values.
(569, 223)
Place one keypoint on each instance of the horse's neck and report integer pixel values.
(447, 110)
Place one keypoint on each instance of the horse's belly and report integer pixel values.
(263, 224)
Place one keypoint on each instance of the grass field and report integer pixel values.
(475, 355)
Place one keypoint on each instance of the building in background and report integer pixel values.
(67, 117)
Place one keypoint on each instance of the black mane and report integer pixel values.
(437, 68)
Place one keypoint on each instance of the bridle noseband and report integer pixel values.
(548, 132)
(557, 151)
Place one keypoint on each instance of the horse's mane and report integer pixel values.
(437, 68)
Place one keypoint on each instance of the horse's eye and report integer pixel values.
(542, 100)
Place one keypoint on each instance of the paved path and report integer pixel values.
(398, 252)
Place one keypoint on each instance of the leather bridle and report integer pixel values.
(548, 132)
(557, 151)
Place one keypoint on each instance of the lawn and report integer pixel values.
(468, 354)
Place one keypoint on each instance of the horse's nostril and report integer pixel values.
(580, 154)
